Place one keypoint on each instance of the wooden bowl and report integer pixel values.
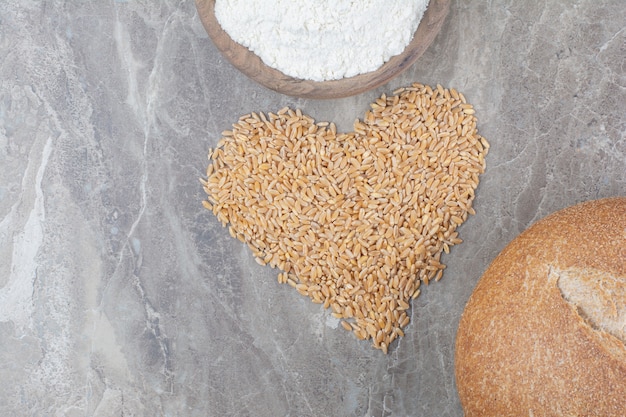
(252, 66)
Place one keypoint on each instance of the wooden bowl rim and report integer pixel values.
(252, 66)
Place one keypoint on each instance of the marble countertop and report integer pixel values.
(121, 295)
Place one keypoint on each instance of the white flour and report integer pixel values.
(322, 39)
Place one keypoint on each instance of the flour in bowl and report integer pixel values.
(322, 40)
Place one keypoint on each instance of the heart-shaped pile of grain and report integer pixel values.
(355, 220)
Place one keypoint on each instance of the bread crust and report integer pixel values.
(524, 349)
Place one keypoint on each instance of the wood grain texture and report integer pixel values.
(252, 66)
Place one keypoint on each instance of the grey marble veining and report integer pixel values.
(121, 295)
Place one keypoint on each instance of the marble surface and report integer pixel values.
(121, 295)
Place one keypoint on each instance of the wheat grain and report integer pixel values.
(356, 221)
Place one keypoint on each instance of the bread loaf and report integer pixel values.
(544, 332)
